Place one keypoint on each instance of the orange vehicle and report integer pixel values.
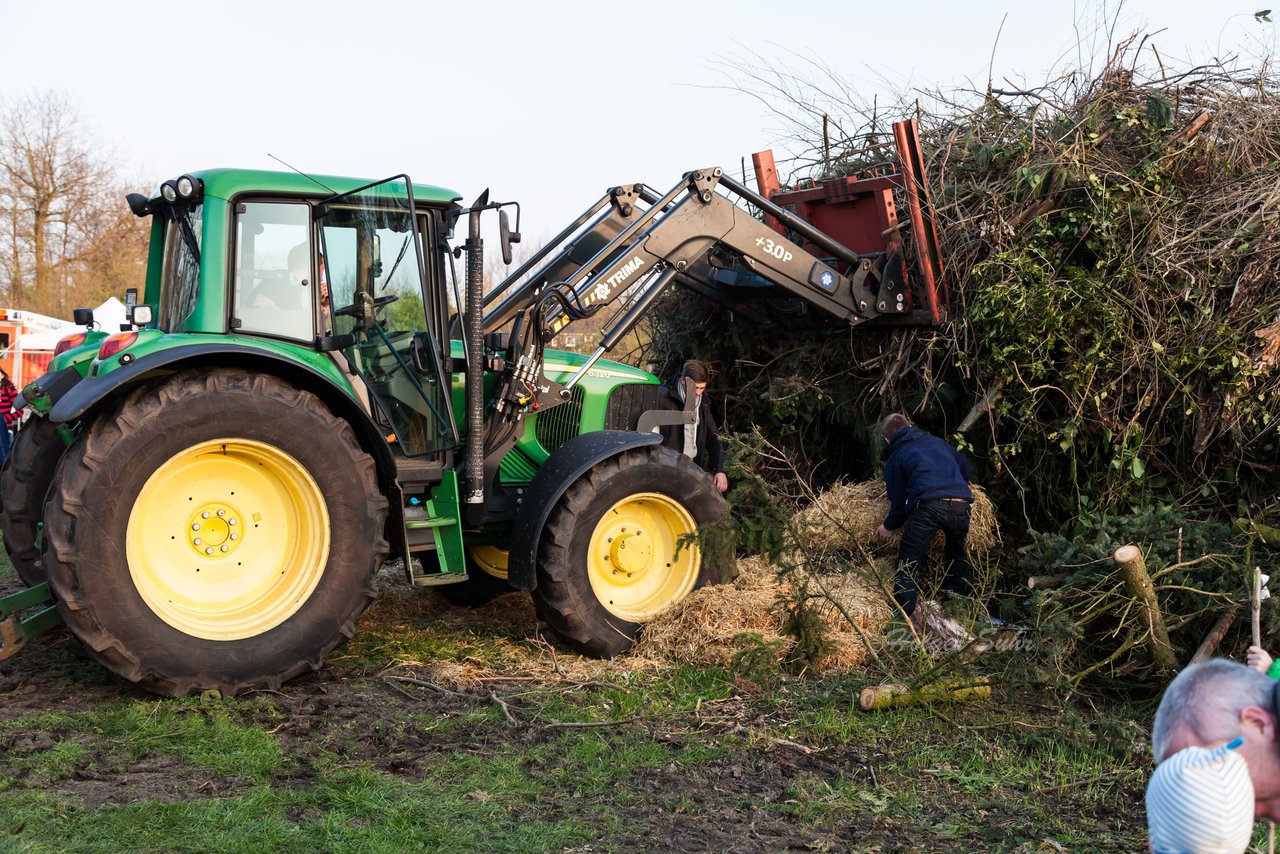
(27, 341)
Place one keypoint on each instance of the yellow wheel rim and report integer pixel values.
(491, 559)
(633, 564)
(228, 539)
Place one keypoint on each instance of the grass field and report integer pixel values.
(442, 730)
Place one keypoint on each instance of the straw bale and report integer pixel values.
(702, 628)
(861, 601)
(847, 515)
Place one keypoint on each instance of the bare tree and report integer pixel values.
(66, 235)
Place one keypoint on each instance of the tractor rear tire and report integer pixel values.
(24, 484)
(220, 530)
(617, 549)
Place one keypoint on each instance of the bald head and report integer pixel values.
(1203, 705)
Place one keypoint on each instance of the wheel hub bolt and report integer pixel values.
(210, 530)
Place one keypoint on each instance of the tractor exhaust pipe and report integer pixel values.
(475, 497)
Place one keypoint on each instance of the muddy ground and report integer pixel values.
(362, 707)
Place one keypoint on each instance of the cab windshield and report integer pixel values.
(180, 273)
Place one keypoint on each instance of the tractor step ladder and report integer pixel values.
(15, 630)
(434, 526)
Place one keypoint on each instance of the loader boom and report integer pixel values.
(843, 251)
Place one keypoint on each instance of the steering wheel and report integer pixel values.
(357, 308)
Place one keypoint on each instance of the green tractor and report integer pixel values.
(307, 387)
(210, 493)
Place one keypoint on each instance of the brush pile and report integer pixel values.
(1111, 241)
(1091, 624)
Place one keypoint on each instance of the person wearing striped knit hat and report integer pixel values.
(1214, 702)
(1200, 801)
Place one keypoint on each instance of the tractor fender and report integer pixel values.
(92, 392)
(569, 462)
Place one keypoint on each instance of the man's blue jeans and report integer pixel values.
(929, 517)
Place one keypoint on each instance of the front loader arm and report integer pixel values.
(673, 241)
(633, 243)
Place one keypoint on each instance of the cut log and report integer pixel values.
(1210, 643)
(1134, 568)
(892, 695)
(1044, 582)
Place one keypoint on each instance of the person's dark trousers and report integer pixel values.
(929, 517)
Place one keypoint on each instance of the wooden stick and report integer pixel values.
(1044, 582)
(988, 400)
(1189, 133)
(1256, 606)
(891, 695)
(1215, 636)
(1134, 568)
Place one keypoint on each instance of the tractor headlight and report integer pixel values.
(141, 315)
(169, 192)
(189, 188)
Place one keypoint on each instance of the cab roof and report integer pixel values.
(225, 183)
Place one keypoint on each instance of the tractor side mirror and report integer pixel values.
(506, 236)
(329, 343)
(82, 317)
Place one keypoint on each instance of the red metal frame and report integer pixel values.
(862, 214)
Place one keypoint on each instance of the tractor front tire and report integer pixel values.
(220, 530)
(24, 484)
(621, 547)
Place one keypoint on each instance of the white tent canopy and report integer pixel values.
(108, 316)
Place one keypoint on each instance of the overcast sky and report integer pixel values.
(547, 103)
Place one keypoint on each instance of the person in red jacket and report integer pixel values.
(8, 391)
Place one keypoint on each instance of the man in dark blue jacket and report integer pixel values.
(927, 483)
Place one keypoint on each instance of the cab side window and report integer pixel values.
(273, 276)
